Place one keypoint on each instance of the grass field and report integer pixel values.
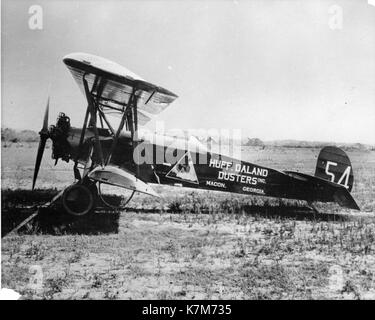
(190, 244)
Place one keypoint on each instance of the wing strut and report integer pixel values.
(135, 133)
(92, 111)
(77, 175)
(106, 121)
(129, 118)
(93, 120)
(124, 118)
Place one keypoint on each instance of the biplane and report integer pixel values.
(105, 154)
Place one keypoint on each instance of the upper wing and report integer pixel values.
(111, 85)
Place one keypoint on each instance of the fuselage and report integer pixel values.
(172, 161)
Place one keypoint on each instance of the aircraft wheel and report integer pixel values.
(116, 204)
(79, 199)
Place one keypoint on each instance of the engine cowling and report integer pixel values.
(58, 133)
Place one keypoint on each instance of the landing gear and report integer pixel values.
(79, 199)
(106, 195)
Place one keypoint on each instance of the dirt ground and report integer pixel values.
(190, 244)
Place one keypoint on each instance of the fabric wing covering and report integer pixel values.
(111, 85)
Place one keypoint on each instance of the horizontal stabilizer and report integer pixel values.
(121, 178)
(343, 197)
(325, 191)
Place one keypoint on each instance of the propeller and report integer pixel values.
(44, 135)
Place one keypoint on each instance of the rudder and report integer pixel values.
(334, 165)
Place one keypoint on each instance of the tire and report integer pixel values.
(79, 199)
(117, 206)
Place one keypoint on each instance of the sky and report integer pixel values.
(294, 69)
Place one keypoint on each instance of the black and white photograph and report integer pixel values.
(189, 151)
